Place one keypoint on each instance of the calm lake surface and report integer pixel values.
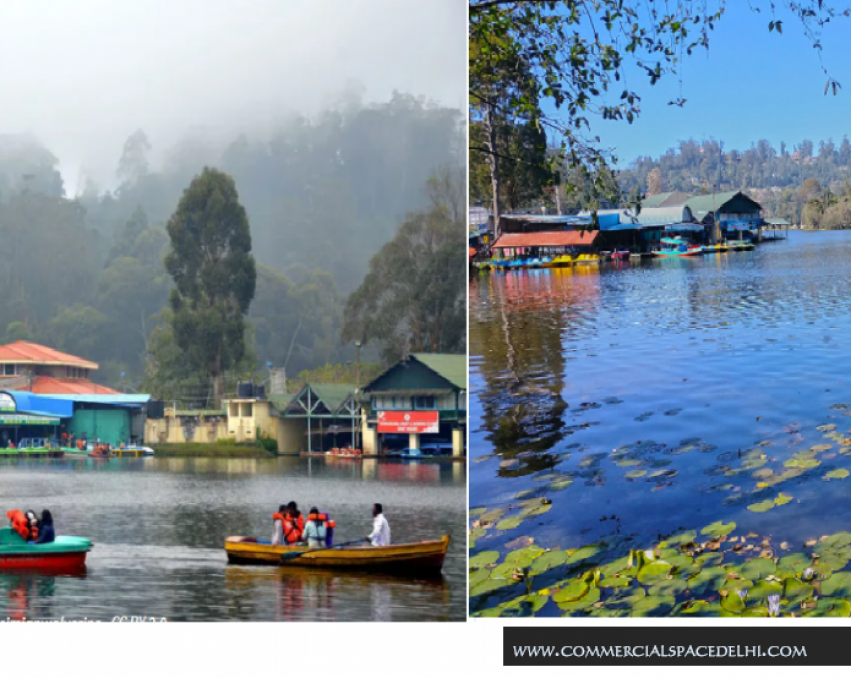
(159, 526)
(644, 398)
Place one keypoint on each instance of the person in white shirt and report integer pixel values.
(380, 535)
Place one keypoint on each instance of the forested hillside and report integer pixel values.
(85, 273)
(776, 177)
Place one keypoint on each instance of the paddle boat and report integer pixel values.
(561, 260)
(677, 247)
(34, 447)
(740, 245)
(132, 451)
(415, 557)
(64, 553)
(587, 259)
(714, 249)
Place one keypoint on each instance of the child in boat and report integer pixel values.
(298, 519)
(33, 520)
(315, 530)
(46, 533)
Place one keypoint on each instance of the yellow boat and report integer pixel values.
(587, 259)
(415, 557)
(561, 260)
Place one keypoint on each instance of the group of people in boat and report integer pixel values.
(291, 528)
(33, 529)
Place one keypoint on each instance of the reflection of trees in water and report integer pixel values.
(517, 330)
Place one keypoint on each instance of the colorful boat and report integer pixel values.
(62, 554)
(408, 558)
(677, 247)
(561, 260)
(740, 245)
(588, 259)
(714, 249)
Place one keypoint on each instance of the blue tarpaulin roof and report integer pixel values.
(125, 399)
(30, 403)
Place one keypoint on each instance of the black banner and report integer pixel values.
(677, 646)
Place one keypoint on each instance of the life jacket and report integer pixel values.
(19, 523)
(324, 525)
(292, 533)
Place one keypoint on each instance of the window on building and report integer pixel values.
(425, 403)
(10, 370)
(247, 409)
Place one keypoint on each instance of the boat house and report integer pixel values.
(420, 403)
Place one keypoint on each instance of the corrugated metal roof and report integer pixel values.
(333, 395)
(668, 199)
(31, 403)
(451, 367)
(29, 352)
(664, 216)
(777, 222)
(573, 220)
(547, 239)
(701, 205)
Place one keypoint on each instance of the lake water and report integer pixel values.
(159, 526)
(651, 397)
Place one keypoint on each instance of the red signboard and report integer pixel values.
(408, 422)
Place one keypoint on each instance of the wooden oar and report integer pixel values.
(297, 554)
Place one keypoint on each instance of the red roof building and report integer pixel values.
(25, 366)
(546, 239)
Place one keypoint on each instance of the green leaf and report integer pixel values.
(653, 573)
(758, 568)
(509, 523)
(483, 559)
(718, 529)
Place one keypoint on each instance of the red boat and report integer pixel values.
(64, 554)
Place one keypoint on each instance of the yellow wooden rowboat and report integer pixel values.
(415, 557)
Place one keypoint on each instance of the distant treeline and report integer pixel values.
(85, 273)
(775, 177)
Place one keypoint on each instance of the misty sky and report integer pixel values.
(83, 75)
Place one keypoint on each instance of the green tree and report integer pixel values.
(573, 57)
(214, 274)
(413, 298)
(16, 331)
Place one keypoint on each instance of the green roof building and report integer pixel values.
(418, 406)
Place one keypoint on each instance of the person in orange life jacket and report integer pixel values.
(46, 533)
(315, 530)
(298, 519)
(286, 527)
(20, 524)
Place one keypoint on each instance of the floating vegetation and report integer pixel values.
(706, 573)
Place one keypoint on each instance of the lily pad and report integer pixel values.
(653, 573)
(572, 590)
(524, 557)
(758, 611)
(489, 585)
(548, 561)
(838, 473)
(635, 474)
(760, 507)
(781, 499)
(758, 568)
(483, 559)
(794, 590)
(653, 606)
(718, 528)
(733, 603)
(509, 523)
(615, 582)
(584, 553)
(838, 584)
(583, 603)
(764, 589)
(682, 538)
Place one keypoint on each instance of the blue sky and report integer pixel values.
(751, 84)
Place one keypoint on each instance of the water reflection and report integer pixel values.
(158, 526)
(325, 595)
(664, 394)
